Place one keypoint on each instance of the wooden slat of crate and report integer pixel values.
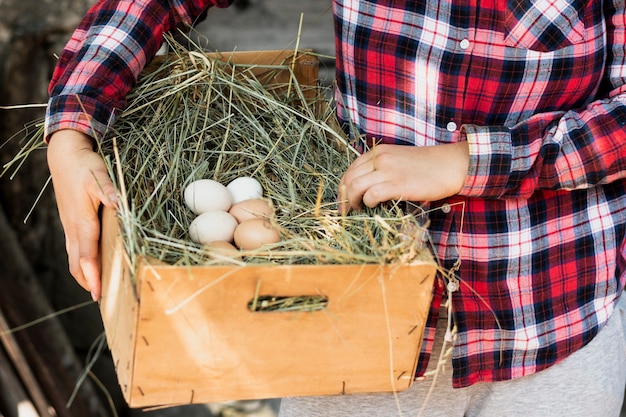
(187, 336)
(305, 67)
(119, 304)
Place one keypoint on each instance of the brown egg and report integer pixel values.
(254, 233)
(220, 245)
(250, 209)
(221, 248)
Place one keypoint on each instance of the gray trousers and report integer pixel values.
(589, 383)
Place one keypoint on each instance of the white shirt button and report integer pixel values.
(464, 44)
(451, 126)
(452, 285)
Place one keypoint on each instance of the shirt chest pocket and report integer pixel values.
(544, 25)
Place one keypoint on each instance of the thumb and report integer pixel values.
(104, 190)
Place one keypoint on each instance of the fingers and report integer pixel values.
(411, 173)
(361, 184)
(90, 268)
(81, 224)
(81, 184)
(82, 243)
(362, 188)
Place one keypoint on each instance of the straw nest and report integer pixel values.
(196, 117)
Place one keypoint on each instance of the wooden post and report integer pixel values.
(13, 399)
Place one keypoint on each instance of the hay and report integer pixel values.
(195, 117)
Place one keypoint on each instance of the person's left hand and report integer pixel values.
(408, 173)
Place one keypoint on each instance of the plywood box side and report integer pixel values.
(195, 322)
(119, 306)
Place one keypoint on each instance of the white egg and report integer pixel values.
(244, 188)
(205, 195)
(212, 226)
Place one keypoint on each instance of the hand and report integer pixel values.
(81, 183)
(408, 173)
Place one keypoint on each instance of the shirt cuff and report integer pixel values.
(489, 161)
(81, 113)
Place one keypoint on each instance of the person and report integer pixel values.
(507, 117)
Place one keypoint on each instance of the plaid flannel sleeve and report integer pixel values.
(104, 56)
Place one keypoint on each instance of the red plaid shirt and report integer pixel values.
(538, 90)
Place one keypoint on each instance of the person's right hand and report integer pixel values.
(81, 183)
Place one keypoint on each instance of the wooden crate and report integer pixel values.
(182, 335)
(186, 335)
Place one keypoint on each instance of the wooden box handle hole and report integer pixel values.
(277, 303)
